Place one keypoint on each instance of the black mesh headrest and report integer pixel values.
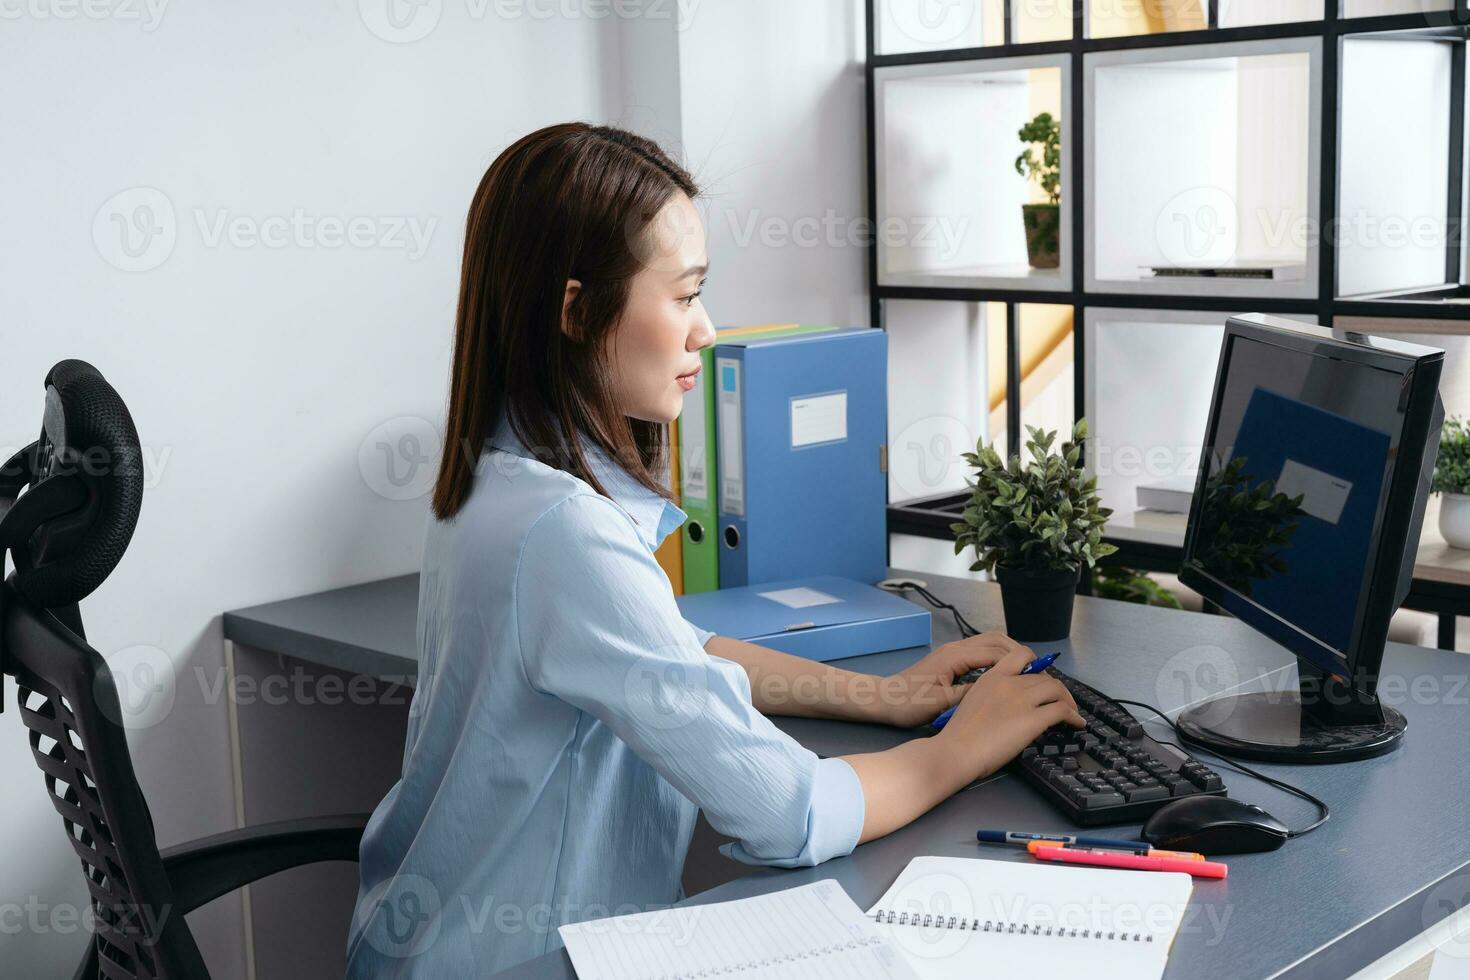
(88, 442)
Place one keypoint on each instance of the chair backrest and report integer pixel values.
(67, 531)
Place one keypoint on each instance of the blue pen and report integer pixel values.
(1016, 837)
(1034, 667)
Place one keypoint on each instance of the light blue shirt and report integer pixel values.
(566, 728)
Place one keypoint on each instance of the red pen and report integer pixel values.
(1135, 862)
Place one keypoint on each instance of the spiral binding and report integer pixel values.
(930, 921)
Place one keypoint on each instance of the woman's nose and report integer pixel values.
(703, 334)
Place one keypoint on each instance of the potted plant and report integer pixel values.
(1043, 221)
(1452, 483)
(1034, 525)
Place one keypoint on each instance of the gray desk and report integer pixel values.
(1393, 860)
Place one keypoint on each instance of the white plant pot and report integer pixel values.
(1454, 519)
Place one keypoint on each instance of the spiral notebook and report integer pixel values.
(952, 917)
(943, 917)
(813, 932)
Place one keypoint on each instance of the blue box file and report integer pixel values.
(862, 620)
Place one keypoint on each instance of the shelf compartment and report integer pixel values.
(1048, 366)
(1384, 8)
(939, 407)
(912, 26)
(1251, 13)
(1204, 157)
(949, 198)
(1112, 18)
(1394, 197)
(1148, 433)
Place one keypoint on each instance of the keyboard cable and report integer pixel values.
(966, 630)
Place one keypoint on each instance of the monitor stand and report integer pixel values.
(1322, 721)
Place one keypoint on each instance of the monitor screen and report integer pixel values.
(1297, 465)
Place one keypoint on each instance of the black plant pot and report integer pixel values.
(1038, 605)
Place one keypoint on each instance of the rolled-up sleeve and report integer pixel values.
(615, 646)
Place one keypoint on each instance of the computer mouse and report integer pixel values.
(1214, 825)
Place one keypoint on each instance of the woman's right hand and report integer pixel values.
(1003, 712)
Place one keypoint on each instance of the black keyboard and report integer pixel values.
(1110, 772)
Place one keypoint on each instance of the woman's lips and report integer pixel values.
(686, 381)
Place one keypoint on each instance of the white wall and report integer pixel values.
(772, 127)
(254, 373)
(263, 377)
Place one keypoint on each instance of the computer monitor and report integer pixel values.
(1305, 522)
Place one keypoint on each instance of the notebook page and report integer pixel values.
(813, 931)
(1141, 909)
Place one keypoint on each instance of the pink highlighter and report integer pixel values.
(1134, 862)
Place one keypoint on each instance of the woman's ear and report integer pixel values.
(568, 328)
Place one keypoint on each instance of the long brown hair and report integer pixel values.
(571, 201)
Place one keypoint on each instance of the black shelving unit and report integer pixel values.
(931, 516)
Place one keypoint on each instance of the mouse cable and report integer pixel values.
(1240, 768)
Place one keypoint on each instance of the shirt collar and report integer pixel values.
(655, 517)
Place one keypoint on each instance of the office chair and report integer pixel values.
(65, 534)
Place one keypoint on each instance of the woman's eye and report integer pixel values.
(689, 300)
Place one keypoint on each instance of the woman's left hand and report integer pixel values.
(917, 694)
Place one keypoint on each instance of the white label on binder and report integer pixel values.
(1324, 495)
(818, 418)
(799, 597)
(732, 457)
(693, 462)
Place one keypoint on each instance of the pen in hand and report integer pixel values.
(1034, 667)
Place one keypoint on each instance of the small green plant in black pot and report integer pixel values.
(1043, 221)
(1034, 525)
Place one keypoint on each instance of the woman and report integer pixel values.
(568, 723)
